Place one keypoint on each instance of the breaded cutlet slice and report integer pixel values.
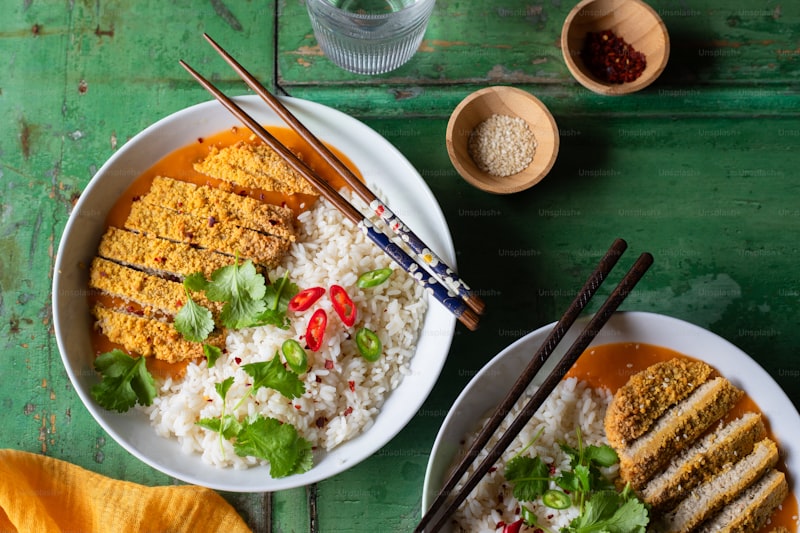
(255, 166)
(648, 394)
(222, 237)
(151, 292)
(216, 205)
(149, 337)
(713, 494)
(703, 459)
(753, 508)
(159, 256)
(675, 430)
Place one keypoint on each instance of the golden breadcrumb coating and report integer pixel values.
(221, 236)
(215, 205)
(255, 166)
(648, 394)
(160, 256)
(149, 337)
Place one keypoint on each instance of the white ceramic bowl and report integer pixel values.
(381, 164)
(489, 386)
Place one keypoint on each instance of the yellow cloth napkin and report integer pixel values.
(39, 494)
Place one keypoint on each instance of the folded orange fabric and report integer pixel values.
(39, 494)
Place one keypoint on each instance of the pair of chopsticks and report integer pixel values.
(446, 501)
(444, 284)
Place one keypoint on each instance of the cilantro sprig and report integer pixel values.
(125, 382)
(248, 300)
(264, 437)
(279, 443)
(601, 508)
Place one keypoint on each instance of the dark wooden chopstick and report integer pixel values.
(440, 514)
(450, 300)
(424, 254)
(516, 391)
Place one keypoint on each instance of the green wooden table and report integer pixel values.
(700, 169)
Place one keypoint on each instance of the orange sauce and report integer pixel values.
(179, 164)
(611, 365)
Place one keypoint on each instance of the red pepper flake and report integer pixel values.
(348, 411)
(297, 407)
(352, 385)
(328, 364)
(318, 379)
(238, 360)
(611, 59)
(200, 140)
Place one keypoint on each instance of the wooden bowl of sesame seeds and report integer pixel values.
(502, 139)
(614, 47)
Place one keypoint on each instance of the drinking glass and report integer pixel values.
(369, 36)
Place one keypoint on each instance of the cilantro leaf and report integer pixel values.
(607, 511)
(530, 476)
(242, 289)
(223, 387)
(276, 300)
(267, 438)
(238, 313)
(212, 353)
(234, 282)
(601, 455)
(227, 426)
(125, 382)
(194, 321)
(195, 282)
(274, 375)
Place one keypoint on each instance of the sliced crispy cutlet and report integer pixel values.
(226, 238)
(752, 509)
(675, 430)
(648, 394)
(255, 166)
(708, 497)
(159, 256)
(150, 337)
(703, 459)
(151, 292)
(216, 205)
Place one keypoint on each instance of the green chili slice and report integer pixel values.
(555, 499)
(369, 344)
(295, 356)
(373, 278)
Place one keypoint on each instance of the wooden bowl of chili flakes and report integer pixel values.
(614, 47)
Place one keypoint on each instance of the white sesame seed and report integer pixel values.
(502, 145)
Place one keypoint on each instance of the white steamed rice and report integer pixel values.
(572, 404)
(341, 401)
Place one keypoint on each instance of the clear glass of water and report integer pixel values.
(369, 36)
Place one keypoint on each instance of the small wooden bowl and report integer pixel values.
(512, 102)
(632, 20)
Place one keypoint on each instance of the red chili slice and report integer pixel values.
(514, 527)
(343, 305)
(305, 299)
(315, 330)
